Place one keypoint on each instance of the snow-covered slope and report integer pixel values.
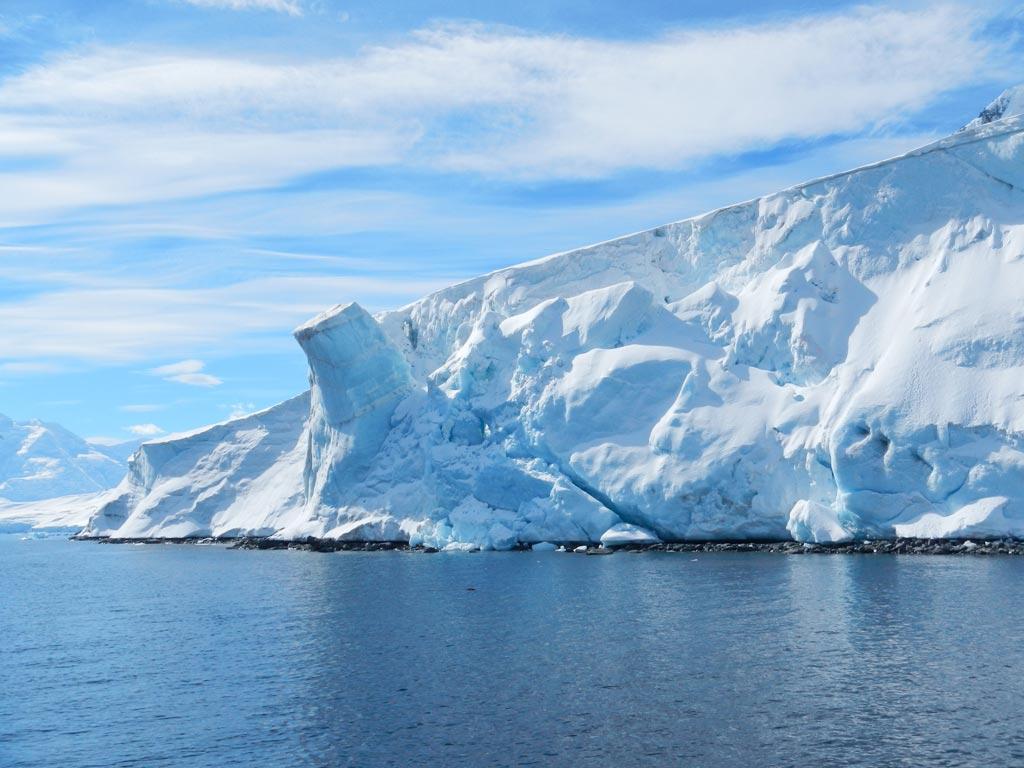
(240, 477)
(1008, 104)
(841, 359)
(64, 515)
(39, 460)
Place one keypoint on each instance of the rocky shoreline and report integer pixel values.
(1001, 546)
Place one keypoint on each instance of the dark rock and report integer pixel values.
(975, 546)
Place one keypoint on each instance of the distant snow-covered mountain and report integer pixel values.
(841, 359)
(40, 460)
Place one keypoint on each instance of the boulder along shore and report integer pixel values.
(902, 546)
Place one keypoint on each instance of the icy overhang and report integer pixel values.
(353, 366)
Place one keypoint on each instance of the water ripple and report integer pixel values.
(200, 657)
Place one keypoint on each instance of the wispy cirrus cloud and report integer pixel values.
(293, 7)
(104, 440)
(141, 408)
(186, 372)
(115, 125)
(120, 324)
(30, 367)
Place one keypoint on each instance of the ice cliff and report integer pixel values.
(841, 359)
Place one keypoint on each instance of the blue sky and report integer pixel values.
(188, 180)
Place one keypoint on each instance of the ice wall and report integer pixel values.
(841, 359)
(240, 477)
(356, 378)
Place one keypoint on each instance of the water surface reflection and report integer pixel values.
(192, 656)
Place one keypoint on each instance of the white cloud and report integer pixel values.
(293, 7)
(124, 324)
(196, 379)
(145, 430)
(120, 163)
(129, 124)
(30, 367)
(238, 410)
(186, 372)
(175, 369)
(142, 408)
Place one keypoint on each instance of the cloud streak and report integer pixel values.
(29, 368)
(122, 324)
(186, 372)
(292, 7)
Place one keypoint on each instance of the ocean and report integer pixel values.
(201, 656)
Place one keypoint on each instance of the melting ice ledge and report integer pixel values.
(840, 361)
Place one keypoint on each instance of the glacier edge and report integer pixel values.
(837, 360)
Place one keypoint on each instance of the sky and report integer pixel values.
(186, 181)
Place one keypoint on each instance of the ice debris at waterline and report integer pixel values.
(841, 360)
(910, 546)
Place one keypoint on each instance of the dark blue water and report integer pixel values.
(198, 656)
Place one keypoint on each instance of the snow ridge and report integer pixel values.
(1009, 103)
(841, 359)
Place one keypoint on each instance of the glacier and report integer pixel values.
(840, 360)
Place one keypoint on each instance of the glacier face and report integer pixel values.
(240, 477)
(40, 460)
(841, 359)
